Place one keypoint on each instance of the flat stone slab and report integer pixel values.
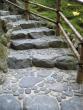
(29, 81)
(38, 43)
(35, 35)
(57, 87)
(43, 58)
(40, 102)
(4, 13)
(75, 103)
(12, 18)
(8, 102)
(25, 24)
(24, 33)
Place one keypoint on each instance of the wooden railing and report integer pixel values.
(59, 29)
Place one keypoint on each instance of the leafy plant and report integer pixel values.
(71, 9)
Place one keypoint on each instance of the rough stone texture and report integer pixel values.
(66, 62)
(23, 33)
(4, 13)
(47, 91)
(59, 98)
(16, 93)
(18, 61)
(75, 86)
(48, 84)
(27, 91)
(8, 102)
(25, 24)
(10, 18)
(30, 81)
(37, 43)
(21, 91)
(36, 35)
(40, 102)
(57, 87)
(20, 97)
(42, 58)
(50, 58)
(75, 103)
(36, 91)
(68, 93)
(2, 77)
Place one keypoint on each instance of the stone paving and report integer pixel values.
(38, 78)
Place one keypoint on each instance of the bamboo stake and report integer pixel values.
(46, 7)
(80, 70)
(58, 5)
(26, 9)
(70, 43)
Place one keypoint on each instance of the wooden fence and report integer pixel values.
(59, 29)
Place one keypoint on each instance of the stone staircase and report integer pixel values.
(42, 69)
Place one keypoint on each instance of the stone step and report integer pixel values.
(23, 24)
(36, 35)
(19, 59)
(10, 18)
(24, 33)
(52, 57)
(4, 13)
(40, 43)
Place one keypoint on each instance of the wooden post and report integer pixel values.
(26, 9)
(80, 71)
(58, 5)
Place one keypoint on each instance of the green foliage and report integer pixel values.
(68, 7)
(46, 2)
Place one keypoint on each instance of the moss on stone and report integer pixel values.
(2, 77)
(3, 58)
(4, 43)
(3, 40)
